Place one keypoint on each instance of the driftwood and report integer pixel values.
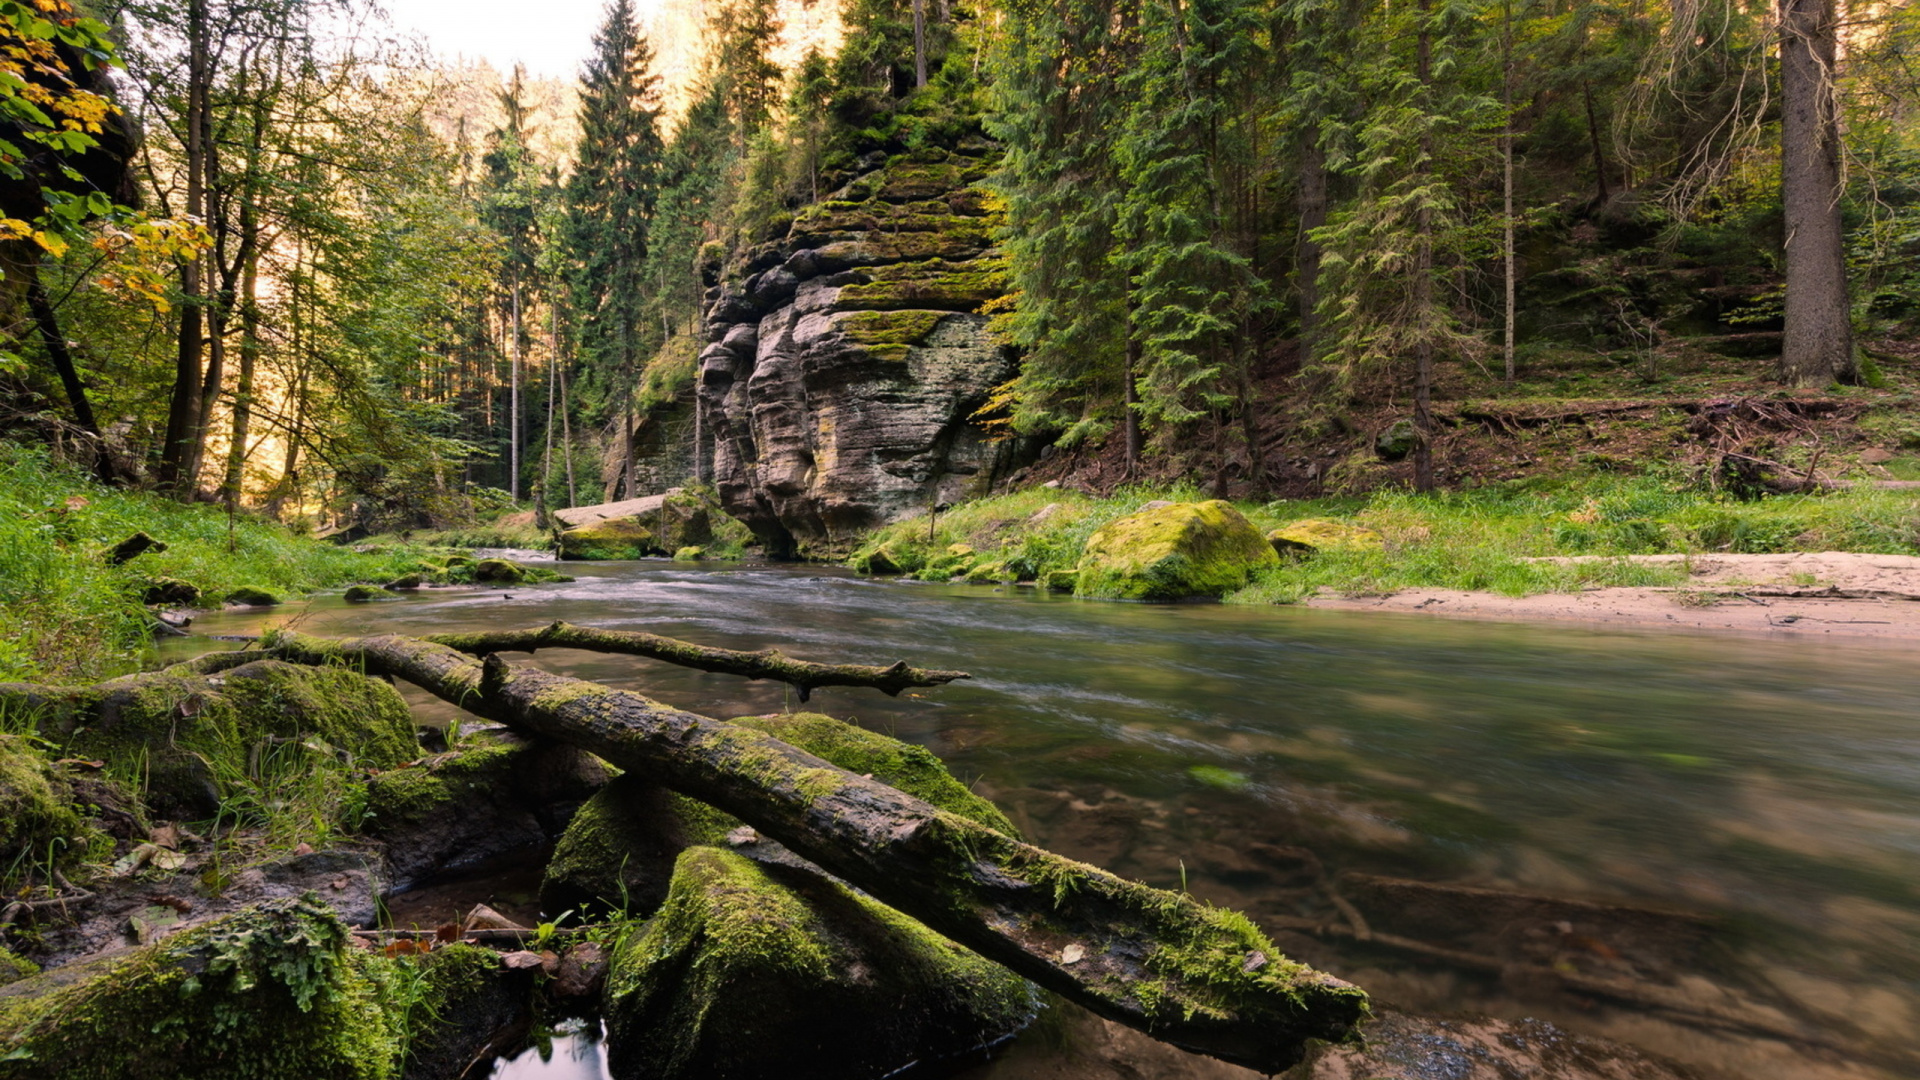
(1200, 978)
(802, 675)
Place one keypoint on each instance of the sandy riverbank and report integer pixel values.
(1827, 593)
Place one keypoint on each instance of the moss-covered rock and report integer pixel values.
(188, 738)
(499, 572)
(273, 991)
(1062, 580)
(1309, 535)
(616, 538)
(893, 556)
(758, 970)
(36, 820)
(405, 582)
(366, 594)
(690, 553)
(1171, 552)
(463, 998)
(247, 596)
(618, 852)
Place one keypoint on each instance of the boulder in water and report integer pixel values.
(615, 538)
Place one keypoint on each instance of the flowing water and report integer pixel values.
(1708, 847)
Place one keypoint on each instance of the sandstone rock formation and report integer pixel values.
(847, 358)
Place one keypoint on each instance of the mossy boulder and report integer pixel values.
(189, 737)
(405, 582)
(989, 572)
(499, 572)
(1172, 552)
(690, 554)
(618, 852)
(888, 557)
(366, 594)
(615, 538)
(752, 969)
(1309, 535)
(36, 818)
(464, 998)
(14, 968)
(273, 991)
(1397, 441)
(1062, 580)
(246, 596)
(170, 592)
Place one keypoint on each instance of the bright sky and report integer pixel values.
(551, 37)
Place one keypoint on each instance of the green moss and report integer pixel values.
(1170, 552)
(750, 969)
(36, 821)
(14, 968)
(1318, 534)
(884, 328)
(617, 538)
(252, 597)
(499, 571)
(690, 554)
(933, 284)
(272, 991)
(366, 594)
(417, 794)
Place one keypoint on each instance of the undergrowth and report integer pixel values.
(1482, 539)
(67, 616)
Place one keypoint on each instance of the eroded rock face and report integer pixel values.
(847, 358)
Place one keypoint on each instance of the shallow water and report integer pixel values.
(1761, 797)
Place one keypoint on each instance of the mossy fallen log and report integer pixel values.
(804, 676)
(1195, 976)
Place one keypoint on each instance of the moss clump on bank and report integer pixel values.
(614, 539)
(762, 970)
(1172, 552)
(271, 991)
(37, 823)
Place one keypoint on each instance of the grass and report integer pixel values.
(66, 616)
(1480, 539)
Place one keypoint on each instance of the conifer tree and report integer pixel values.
(510, 207)
(610, 203)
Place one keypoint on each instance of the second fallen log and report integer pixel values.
(1198, 977)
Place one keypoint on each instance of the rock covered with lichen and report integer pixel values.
(1172, 551)
(848, 355)
(755, 969)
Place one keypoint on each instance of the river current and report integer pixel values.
(1704, 846)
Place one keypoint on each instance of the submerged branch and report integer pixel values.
(804, 676)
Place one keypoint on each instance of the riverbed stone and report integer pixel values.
(1308, 535)
(752, 969)
(247, 596)
(1172, 552)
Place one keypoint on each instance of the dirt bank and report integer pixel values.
(1829, 593)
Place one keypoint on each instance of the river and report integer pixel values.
(1705, 846)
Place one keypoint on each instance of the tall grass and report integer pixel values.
(1482, 539)
(66, 615)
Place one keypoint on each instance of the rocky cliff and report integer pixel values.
(847, 357)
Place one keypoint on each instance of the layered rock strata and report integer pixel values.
(847, 358)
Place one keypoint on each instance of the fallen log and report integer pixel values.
(804, 676)
(1200, 978)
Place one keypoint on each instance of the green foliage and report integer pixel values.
(67, 615)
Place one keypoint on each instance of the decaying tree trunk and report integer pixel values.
(1200, 978)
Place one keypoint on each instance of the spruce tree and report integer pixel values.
(610, 204)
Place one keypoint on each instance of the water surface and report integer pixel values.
(1754, 804)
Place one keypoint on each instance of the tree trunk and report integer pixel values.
(1131, 390)
(1818, 345)
(1163, 963)
(48, 324)
(1506, 163)
(1423, 277)
(1601, 192)
(183, 437)
(1311, 204)
(513, 399)
(553, 364)
(243, 386)
(919, 44)
(566, 437)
